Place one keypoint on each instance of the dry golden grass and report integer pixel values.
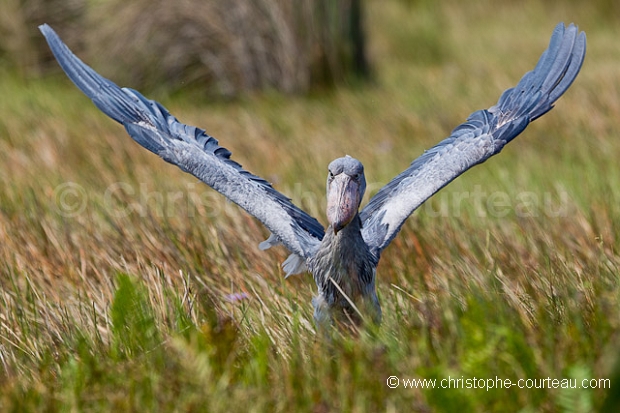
(104, 307)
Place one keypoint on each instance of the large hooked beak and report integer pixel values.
(343, 199)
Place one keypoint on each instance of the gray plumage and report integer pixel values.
(342, 259)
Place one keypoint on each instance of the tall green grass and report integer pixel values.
(118, 272)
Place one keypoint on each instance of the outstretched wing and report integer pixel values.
(192, 150)
(483, 135)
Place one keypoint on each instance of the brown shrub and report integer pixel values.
(229, 46)
(224, 46)
(22, 45)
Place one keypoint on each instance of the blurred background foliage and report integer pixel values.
(223, 47)
(226, 48)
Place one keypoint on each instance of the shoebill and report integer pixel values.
(343, 257)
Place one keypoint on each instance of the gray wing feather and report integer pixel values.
(192, 150)
(483, 135)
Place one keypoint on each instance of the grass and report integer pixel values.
(116, 269)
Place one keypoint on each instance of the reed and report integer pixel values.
(127, 285)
